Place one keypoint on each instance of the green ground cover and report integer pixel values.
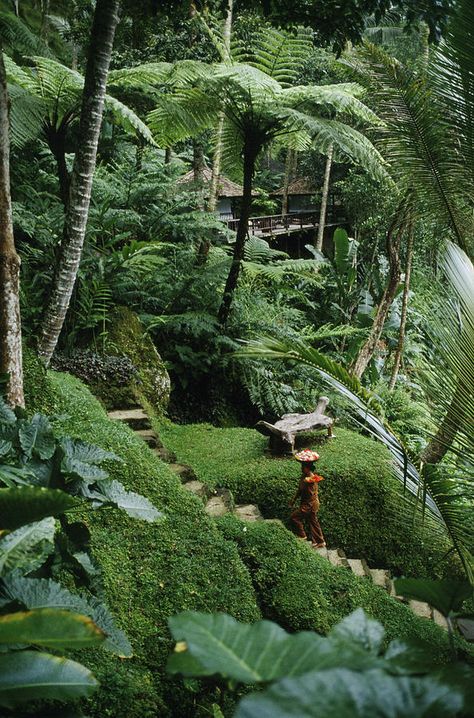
(362, 510)
(187, 561)
(151, 571)
(302, 591)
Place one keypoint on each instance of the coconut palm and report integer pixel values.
(261, 104)
(92, 107)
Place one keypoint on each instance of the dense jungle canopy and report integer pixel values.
(229, 232)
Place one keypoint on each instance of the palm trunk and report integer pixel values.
(10, 320)
(367, 351)
(250, 155)
(100, 50)
(217, 158)
(324, 201)
(403, 318)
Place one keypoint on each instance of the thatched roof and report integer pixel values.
(299, 186)
(227, 188)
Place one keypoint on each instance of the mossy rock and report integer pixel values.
(127, 336)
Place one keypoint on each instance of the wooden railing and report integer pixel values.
(277, 222)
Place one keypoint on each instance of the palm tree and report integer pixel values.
(46, 102)
(10, 323)
(100, 50)
(260, 105)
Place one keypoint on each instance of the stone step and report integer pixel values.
(359, 567)
(222, 502)
(165, 455)
(248, 512)
(337, 557)
(183, 471)
(135, 418)
(197, 488)
(150, 437)
(420, 608)
(439, 619)
(380, 577)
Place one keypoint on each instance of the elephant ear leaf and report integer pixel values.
(135, 505)
(28, 547)
(360, 630)
(30, 675)
(340, 693)
(26, 504)
(80, 460)
(37, 438)
(445, 596)
(7, 415)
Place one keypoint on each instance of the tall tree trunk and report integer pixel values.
(250, 155)
(324, 201)
(403, 318)
(57, 144)
(394, 237)
(198, 172)
(217, 158)
(290, 171)
(100, 50)
(10, 320)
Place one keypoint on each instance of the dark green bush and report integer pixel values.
(362, 510)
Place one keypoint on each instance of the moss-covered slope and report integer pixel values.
(361, 507)
(151, 571)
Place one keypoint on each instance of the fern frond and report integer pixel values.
(278, 54)
(128, 119)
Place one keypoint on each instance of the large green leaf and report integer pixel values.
(358, 629)
(80, 460)
(50, 628)
(7, 415)
(36, 437)
(209, 644)
(341, 693)
(35, 593)
(30, 675)
(27, 548)
(112, 492)
(445, 596)
(24, 505)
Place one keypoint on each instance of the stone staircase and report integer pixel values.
(220, 501)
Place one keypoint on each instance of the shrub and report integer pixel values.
(362, 510)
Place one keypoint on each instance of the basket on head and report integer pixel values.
(306, 456)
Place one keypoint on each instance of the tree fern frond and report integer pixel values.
(258, 250)
(27, 115)
(349, 144)
(278, 54)
(151, 74)
(127, 119)
(339, 99)
(18, 37)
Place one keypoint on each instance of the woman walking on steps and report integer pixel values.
(309, 501)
